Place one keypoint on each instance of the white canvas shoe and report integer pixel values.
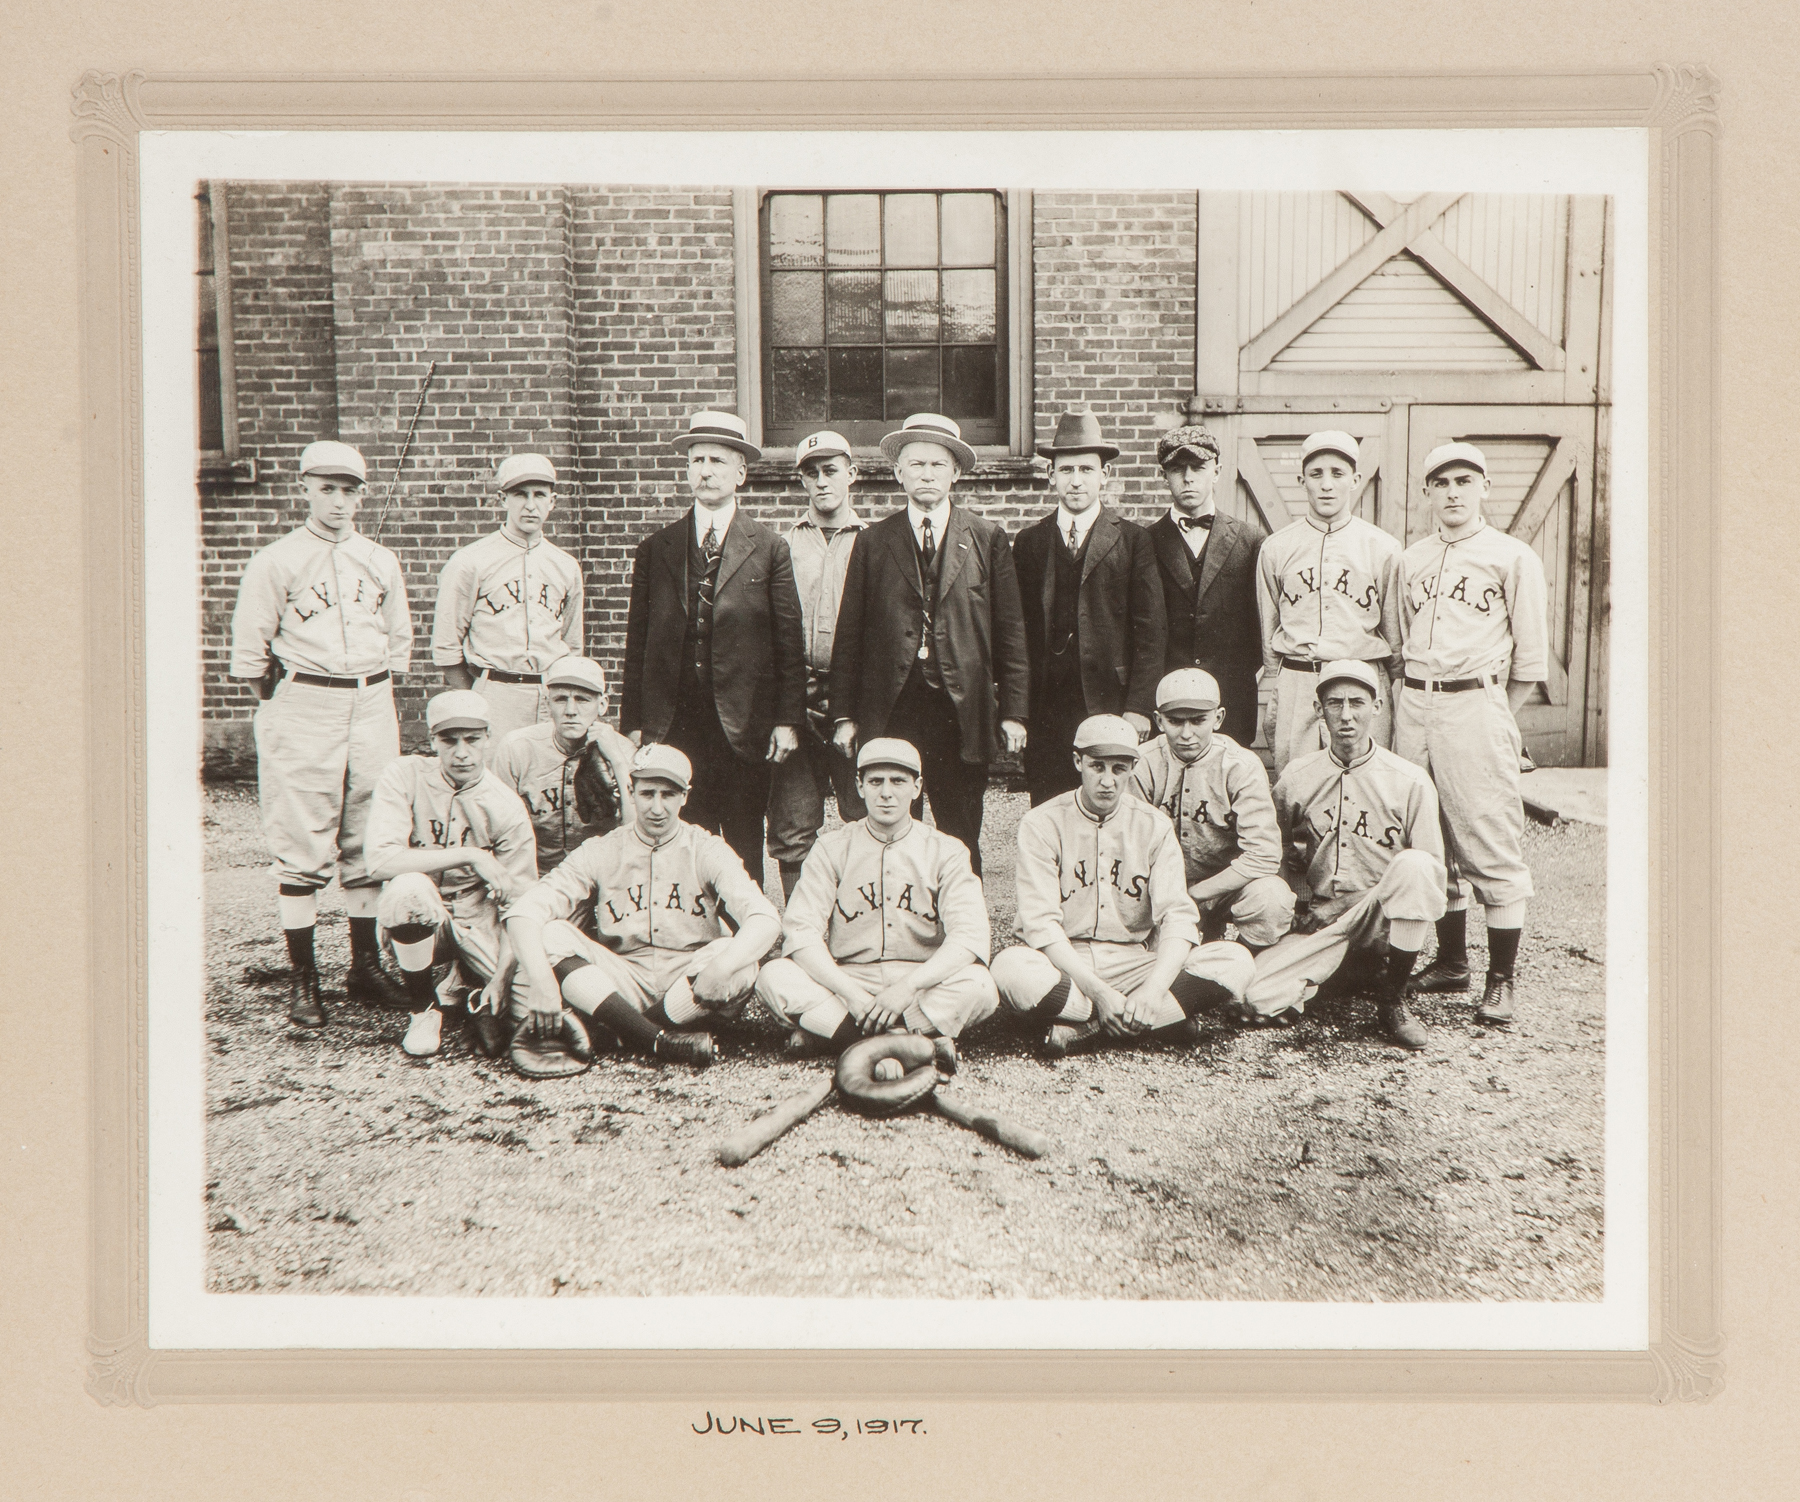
(424, 1033)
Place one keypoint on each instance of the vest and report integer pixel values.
(696, 644)
(929, 580)
(1062, 649)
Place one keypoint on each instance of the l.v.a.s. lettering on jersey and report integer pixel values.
(1304, 582)
(1444, 590)
(512, 595)
(622, 902)
(1114, 876)
(1355, 821)
(870, 904)
(317, 597)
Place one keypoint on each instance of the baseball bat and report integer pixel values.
(749, 1140)
(405, 449)
(1021, 1139)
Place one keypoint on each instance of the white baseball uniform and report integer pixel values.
(1472, 618)
(540, 772)
(1325, 593)
(1363, 839)
(504, 608)
(1224, 818)
(658, 910)
(334, 610)
(881, 909)
(1112, 887)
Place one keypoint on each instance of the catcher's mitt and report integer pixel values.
(552, 1049)
(596, 791)
(929, 1062)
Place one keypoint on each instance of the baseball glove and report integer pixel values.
(929, 1062)
(596, 793)
(550, 1050)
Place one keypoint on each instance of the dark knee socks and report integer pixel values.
(1503, 950)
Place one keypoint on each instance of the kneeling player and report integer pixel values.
(452, 846)
(1360, 825)
(1216, 794)
(887, 928)
(1107, 925)
(661, 888)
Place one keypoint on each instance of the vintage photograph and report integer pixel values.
(845, 741)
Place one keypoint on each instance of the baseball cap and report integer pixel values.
(328, 457)
(889, 751)
(1331, 441)
(665, 762)
(1191, 438)
(457, 709)
(1107, 735)
(1188, 688)
(818, 445)
(1349, 667)
(578, 672)
(1454, 453)
(521, 469)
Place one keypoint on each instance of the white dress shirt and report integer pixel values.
(1196, 537)
(939, 516)
(721, 519)
(1083, 522)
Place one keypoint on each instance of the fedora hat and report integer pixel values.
(1079, 433)
(930, 427)
(719, 427)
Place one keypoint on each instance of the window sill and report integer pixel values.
(216, 469)
(990, 464)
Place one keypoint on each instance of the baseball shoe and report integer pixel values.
(1400, 1025)
(684, 1048)
(798, 1045)
(493, 1033)
(1440, 976)
(425, 1033)
(305, 1009)
(1065, 1038)
(1183, 1034)
(367, 982)
(944, 1052)
(1496, 1001)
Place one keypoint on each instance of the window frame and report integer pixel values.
(226, 464)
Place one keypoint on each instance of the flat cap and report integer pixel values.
(329, 457)
(457, 709)
(1107, 735)
(522, 469)
(663, 761)
(575, 672)
(1454, 453)
(1191, 438)
(889, 751)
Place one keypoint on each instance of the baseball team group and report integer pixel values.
(561, 885)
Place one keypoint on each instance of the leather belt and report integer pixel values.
(1301, 664)
(1451, 685)
(503, 677)
(320, 680)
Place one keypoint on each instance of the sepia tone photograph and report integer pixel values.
(849, 742)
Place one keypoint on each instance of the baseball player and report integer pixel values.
(321, 626)
(1327, 589)
(539, 762)
(1106, 927)
(819, 544)
(1216, 794)
(509, 605)
(661, 888)
(1476, 642)
(1360, 829)
(452, 845)
(887, 928)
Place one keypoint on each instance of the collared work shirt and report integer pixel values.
(336, 608)
(821, 561)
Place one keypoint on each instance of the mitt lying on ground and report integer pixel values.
(928, 1062)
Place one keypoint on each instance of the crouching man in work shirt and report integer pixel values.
(887, 928)
(1107, 927)
(663, 963)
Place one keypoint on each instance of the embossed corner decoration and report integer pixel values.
(106, 104)
(1687, 98)
(119, 1374)
(1688, 1371)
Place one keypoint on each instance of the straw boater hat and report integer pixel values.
(1079, 433)
(929, 427)
(719, 427)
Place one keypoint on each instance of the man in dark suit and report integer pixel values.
(715, 663)
(930, 646)
(1208, 565)
(1093, 609)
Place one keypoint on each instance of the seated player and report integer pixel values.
(452, 845)
(1216, 794)
(1360, 827)
(1107, 927)
(887, 927)
(663, 963)
(541, 762)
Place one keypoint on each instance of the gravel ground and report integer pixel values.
(1317, 1162)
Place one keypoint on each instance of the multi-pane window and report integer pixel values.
(212, 418)
(879, 305)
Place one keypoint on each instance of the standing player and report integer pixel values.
(509, 605)
(453, 845)
(661, 890)
(1360, 826)
(1216, 794)
(819, 544)
(321, 626)
(541, 762)
(1327, 586)
(1473, 631)
(888, 927)
(1107, 928)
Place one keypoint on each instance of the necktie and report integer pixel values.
(926, 545)
(710, 543)
(1072, 543)
(1188, 523)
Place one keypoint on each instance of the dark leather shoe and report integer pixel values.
(493, 1034)
(799, 1045)
(1497, 1001)
(1065, 1038)
(1439, 977)
(695, 1049)
(1400, 1025)
(367, 982)
(305, 1008)
(944, 1055)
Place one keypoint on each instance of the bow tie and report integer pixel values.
(1188, 523)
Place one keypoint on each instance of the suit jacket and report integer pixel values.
(759, 652)
(977, 632)
(1121, 613)
(1218, 630)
